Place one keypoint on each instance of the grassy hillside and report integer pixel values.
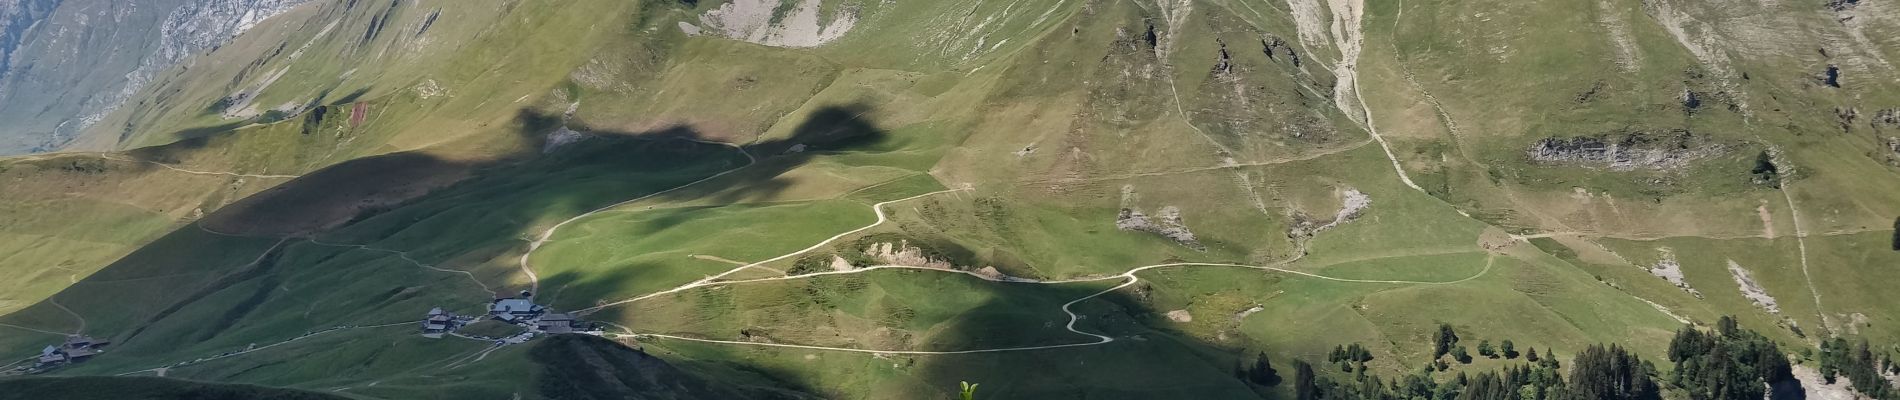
(1063, 198)
(143, 389)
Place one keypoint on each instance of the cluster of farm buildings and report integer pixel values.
(518, 310)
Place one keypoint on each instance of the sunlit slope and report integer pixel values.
(1111, 198)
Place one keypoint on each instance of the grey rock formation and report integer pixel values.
(1887, 118)
(65, 64)
(1167, 224)
(1627, 150)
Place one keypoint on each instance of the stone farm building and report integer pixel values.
(76, 348)
(514, 309)
(556, 323)
(438, 323)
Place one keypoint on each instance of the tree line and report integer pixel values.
(1726, 362)
(1860, 365)
(1729, 363)
(1598, 373)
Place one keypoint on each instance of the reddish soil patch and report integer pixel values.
(358, 113)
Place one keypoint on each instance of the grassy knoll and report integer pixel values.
(406, 365)
(1850, 271)
(648, 250)
(1774, 264)
(878, 310)
(1129, 368)
(64, 217)
(1428, 267)
(1062, 118)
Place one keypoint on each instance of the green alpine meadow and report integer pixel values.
(950, 199)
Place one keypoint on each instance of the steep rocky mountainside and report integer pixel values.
(64, 64)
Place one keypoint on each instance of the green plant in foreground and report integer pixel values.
(969, 391)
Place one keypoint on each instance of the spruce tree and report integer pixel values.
(1262, 372)
(1509, 350)
(1443, 342)
(1612, 374)
(1303, 386)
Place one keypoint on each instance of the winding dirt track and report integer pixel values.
(193, 171)
(1100, 339)
(534, 281)
(877, 208)
(62, 307)
(279, 343)
(405, 257)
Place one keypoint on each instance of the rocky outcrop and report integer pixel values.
(1627, 150)
(1886, 119)
(782, 23)
(902, 253)
(17, 17)
(1167, 224)
(1352, 204)
(1273, 46)
(1752, 290)
(1690, 101)
(1670, 270)
(1893, 151)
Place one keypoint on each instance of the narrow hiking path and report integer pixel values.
(267, 346)
(1223, 166)
(1349, 41)
(81, 330)
(1801, 243)
(32, 329)
(405, 257)
(399, 254)
(1130, 278)
(876, 208)
(193, 171)
(534, 281)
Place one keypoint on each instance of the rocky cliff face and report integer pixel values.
(1626, 150)
(16, 18)
(65, 64)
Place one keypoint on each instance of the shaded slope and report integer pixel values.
(587, 367)
(88, 388)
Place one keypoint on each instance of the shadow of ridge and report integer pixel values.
(833, 128)
(436, 208)
(1143, 362)
(1146, 360)
(589, 367)
(100, 387)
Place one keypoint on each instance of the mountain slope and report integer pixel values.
(1055, 198)
(65, 64)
